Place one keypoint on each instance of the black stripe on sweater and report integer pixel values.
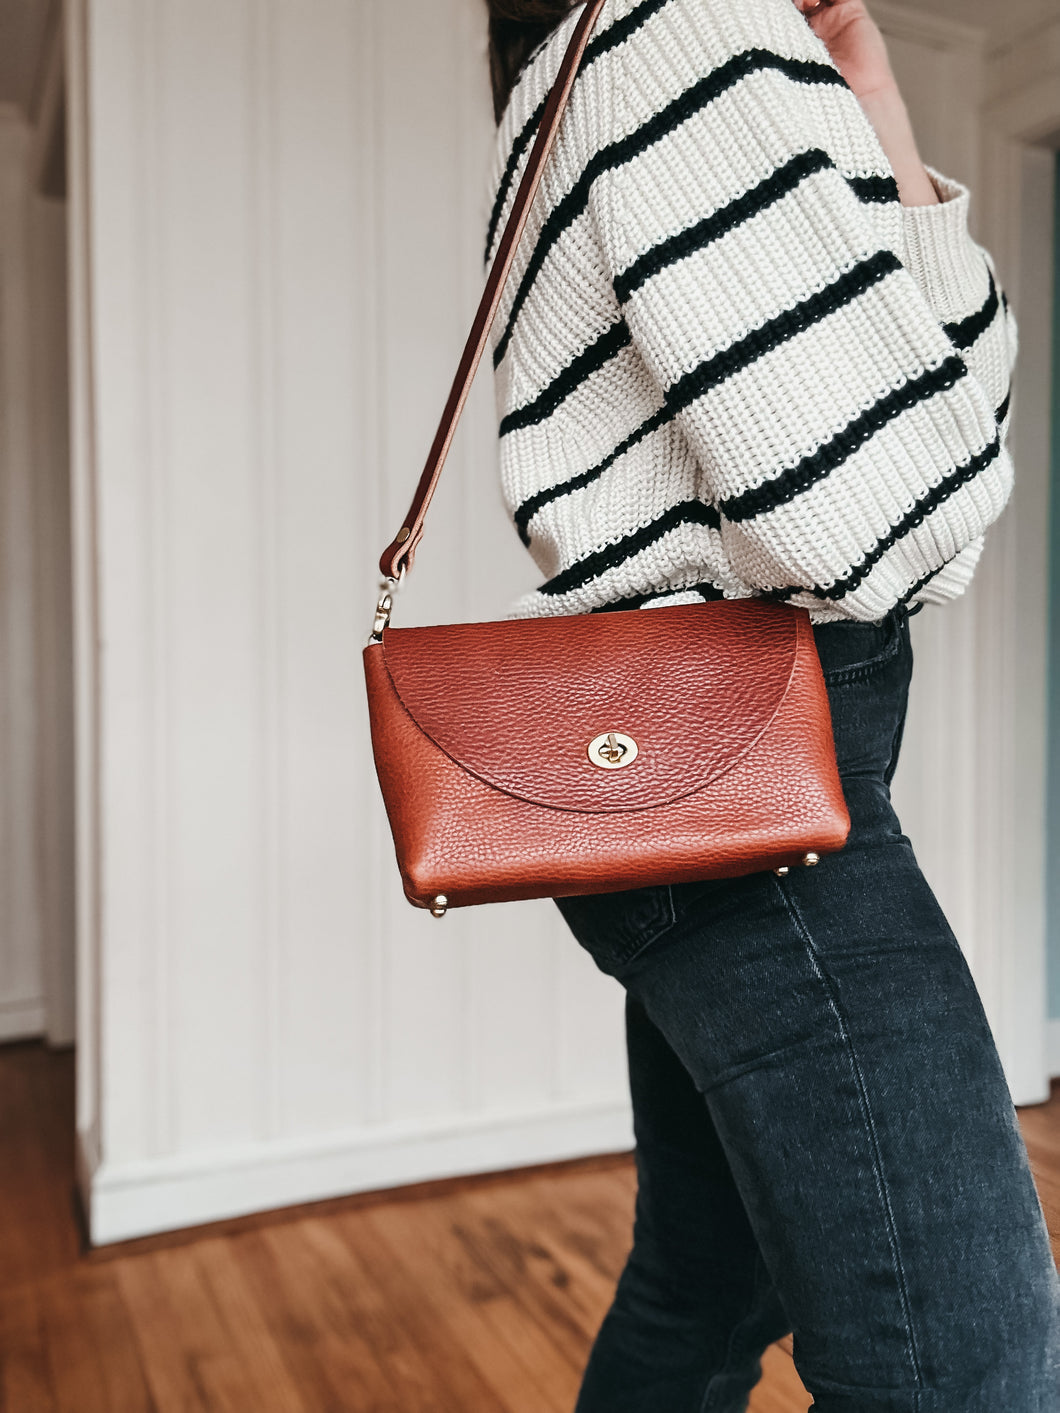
(519, 146)
(923, 508)
(1003, 411)
(751, 203)
(876, 189)
(964, 332)
(608, 39)
(713, 371)
(529, 508)
(831, 455)
(849, 286)
(678, 247)
(617, 154)
(708, 592)
(695, 238)
(590, 361)
(689, 512)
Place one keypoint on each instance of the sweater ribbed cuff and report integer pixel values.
(940, 253)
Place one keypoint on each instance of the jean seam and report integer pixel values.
(866, 1113)
(896, 746)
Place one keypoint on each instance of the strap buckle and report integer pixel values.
(385, 605)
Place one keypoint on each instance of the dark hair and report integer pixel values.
(517, 27)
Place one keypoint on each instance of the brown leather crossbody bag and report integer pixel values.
(548, 757)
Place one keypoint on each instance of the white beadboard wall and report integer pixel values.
(940, 69)
(277, 211)
(969, 787)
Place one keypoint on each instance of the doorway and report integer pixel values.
(1053, 820)
(37, 993)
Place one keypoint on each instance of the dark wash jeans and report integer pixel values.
(825, 1140)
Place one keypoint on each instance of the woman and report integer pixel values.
(749, 348)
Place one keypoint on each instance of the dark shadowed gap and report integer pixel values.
(1053, 825)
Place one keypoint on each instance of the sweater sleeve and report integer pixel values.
(958, 279)
(838, 377)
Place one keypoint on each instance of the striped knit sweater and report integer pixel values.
(728, 361)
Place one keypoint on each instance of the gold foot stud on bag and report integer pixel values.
(808, 861)
(440, 906)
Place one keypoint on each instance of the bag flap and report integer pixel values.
(518, 702)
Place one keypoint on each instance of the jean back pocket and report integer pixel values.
(851, 650)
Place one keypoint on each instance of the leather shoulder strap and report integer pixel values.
(399, 554)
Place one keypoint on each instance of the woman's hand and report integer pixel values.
(859, 52)
(854, 41)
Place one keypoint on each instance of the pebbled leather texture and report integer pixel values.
(517, 703)
(475, 725)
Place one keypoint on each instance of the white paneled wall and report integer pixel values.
(970, 787)
(940, 69)
(279, 211)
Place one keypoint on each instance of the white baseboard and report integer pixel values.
(128, 1200)
(21, 1018)
(1052, 1046)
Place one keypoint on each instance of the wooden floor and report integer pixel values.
(477, 1296)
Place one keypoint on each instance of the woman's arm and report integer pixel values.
(826, 389)
(954, 273)
(856, 45)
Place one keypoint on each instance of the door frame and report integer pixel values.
(1021, 120)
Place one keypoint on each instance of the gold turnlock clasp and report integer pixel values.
(613, 750)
